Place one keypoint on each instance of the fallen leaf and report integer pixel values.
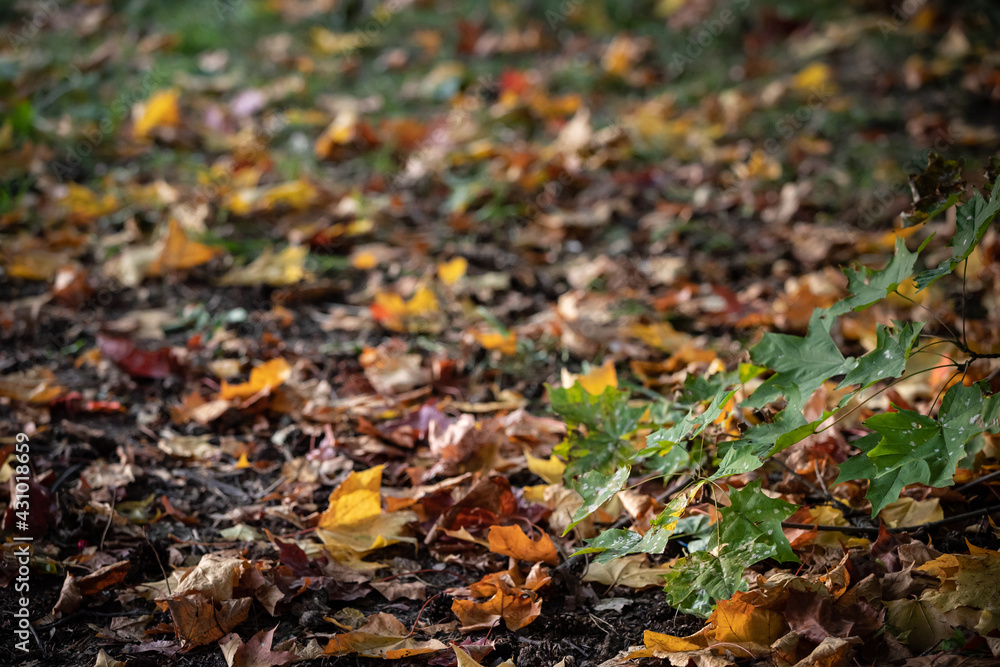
(595, 381)
(466, 660)
(382, 636)
(505, 343)
(104, 660)
(160, 110)
(263, 380)
(256, 652)
(517, 607)
(179, 252)
(285, 268)
(200, 620)
(551, 469)
(354, 519)
(452, 271)
(632, 571)
(34, 385)
(155, 364)
(511, 541)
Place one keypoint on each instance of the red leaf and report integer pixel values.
(137, 363)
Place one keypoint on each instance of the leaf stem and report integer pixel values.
(932, 313)
(891, 384)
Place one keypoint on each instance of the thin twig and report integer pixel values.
(931, 312)
(891, 384)
(111, 517)
(417, 619)
(979, 480)
(823, 493)
(166, 579)
(930, 407)
(965, 271)
(862, 530)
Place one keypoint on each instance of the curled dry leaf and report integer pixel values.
(76, 588)
(200, 620)
(256, 652)
(466, 660)
(517, 607)
(382, 636)
(511, 541)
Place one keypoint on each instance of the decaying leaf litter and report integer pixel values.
(291, 290)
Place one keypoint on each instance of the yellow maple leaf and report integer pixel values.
(160, 110)
(551, 469)
(263, 379)
(506, 343)
(595, 381)
(812, 77)
(391, 310)
(354, 522)
(452, 271)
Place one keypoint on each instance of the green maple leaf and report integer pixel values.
(595, 489)
(888, 359)
(761, 441)
(689, 426)
(608, 420)
(972, 219)
(694, 582)
(912, 448)
(616, 543)
(802, 363)
(883, 489)
(868, 286)
(860, 466)
(753, 516)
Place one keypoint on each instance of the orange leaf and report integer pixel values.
(516, 606)
(382, 636)
(511, 541)
(160, 110)
(657, 642)
(738, 621)
(263, 379)
(180, 252)
(494, 340)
